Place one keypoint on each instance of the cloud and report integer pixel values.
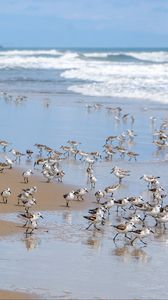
(129, 15)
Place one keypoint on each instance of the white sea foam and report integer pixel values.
(120, 80)
(158, 57)
(30, 52)
(97, 54)
(132, 74)
(64, 61)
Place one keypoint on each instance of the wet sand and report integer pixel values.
(62, 251)
(49, 196)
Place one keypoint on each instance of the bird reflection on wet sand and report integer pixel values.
(67, 216)
(93, 241)
(127, 253)
(31, 242)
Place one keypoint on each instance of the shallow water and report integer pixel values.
(63, 260)
(64, 119)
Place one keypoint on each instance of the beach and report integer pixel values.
(61, 259)
(50, 199)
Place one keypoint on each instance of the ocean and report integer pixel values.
(139, 74)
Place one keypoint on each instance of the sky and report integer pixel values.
(84, 23)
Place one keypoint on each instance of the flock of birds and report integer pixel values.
(133, 226)
(133, 223)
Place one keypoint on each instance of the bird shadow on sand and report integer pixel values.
(64, 206)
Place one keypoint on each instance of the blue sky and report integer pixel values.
(84, 23)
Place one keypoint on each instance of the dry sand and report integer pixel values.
(16, 295)
(49, 196)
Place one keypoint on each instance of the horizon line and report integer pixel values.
(83, 47)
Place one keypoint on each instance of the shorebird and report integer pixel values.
(17, 154)
(121, 203)
(99, 195)
(9, 162)
(30, 216)
(6, 193)
(135, 218)
(120, 173)
(121, 150)
(140, 234)
(80, 193)
(111, 189)
(29, 153)
(90, 161)
(162, 218)
(3, 166)
(161, 144)
(100, 210)
(22, 198)
(131, 134)
(40, 161)
(30, 190)
(83, 155)
(4, 144)
(121, 138)
(66, 149)
(40, 147)
(47, 166)
(26, 194)
(153, 211)
(123, 228)
(26, 175)
(108, 205)
(132, 155)
(74, 144)
(49, 150)
(110, 152)
(93, 181)
(31, 226)
(69, 197)
(27, 203)
(111, 138)
(48, 175)
(89, 171)
(135, 201)
(150, 179)
(59, 175)
(95, 218)
(95, 155)
(141, 206)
